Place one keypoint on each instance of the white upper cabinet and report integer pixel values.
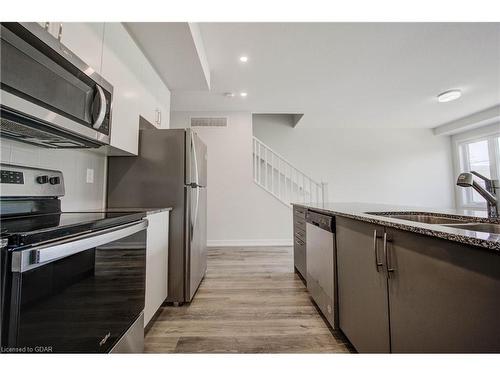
(137, 88)
(85, 40)
(121, 60)
(163, 100)
(156, 98)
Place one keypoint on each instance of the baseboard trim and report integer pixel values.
(274, 242)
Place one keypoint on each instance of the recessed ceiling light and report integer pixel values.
(243, 94)
(229, 94)
(449, 95)
(244, 59)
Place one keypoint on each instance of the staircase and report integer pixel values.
(279, 177)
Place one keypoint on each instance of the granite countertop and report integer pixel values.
(148, 210)
(361, 211)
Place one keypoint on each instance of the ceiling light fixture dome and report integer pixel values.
(244, 59)
(449, 95)
(243, 94)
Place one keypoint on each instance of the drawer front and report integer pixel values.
(300, 234)
(299, 257)
(299, 242)
(299, 222)
(299, 212)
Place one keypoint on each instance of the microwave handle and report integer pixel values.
(102, 111)
(31, 258)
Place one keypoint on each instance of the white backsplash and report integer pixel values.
(80, 195)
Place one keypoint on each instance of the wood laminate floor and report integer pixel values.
(250, 301)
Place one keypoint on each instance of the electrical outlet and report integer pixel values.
(90, 176)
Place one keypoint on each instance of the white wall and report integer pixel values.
(73, 163)
(395, 166)
(456, 139)
(239, 212)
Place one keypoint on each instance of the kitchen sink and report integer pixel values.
(422, 218)
(477, 227)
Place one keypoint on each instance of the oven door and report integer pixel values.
(49, 96)
(80, 295)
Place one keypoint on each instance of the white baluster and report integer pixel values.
(310, 191)
(272, 172)
(260, 164)
(254, 147)
(267, 167)
(279, 177)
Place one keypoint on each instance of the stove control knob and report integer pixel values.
(42, 179)
(54, 180)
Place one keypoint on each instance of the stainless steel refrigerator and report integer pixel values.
(170, 171)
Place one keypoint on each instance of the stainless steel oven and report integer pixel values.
(71, 282)
(79, 295)
(49, 97)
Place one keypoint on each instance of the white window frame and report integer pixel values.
(460, 156)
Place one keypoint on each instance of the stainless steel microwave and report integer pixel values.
(49, 97)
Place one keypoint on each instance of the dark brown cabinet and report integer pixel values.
(299, 240)
(415, 294)
(362, 286)
(444, 296)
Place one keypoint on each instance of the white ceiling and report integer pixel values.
(172, 49)
(350, 74)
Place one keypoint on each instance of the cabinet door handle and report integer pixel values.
(387, 256)
(59, 34)
(375, 250)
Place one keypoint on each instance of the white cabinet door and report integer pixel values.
(148, 106)
(120, 62)
(137, 88)
(51, 27)
(156, 263)
(163, 100)
(85, 40)
(149, 102)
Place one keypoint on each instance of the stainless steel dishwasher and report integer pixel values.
(321, 264)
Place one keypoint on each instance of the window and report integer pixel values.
(483, 156)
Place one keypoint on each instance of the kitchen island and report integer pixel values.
(414, 280)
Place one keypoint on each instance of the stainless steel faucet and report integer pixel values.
(491, 191)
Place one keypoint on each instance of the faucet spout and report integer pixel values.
(490, 198)
(491, 192)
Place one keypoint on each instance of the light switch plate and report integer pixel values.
(90, 176)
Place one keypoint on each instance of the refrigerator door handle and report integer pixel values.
(193, 226)
(193, 145)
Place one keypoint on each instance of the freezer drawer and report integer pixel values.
(321, 269)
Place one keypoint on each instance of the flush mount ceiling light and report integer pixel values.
(449, 95)
(243, 94)
(243, 59)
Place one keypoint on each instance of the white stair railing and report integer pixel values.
(279, 177)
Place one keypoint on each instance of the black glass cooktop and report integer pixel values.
(33, 229)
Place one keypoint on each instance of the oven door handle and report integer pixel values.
(31, 258)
